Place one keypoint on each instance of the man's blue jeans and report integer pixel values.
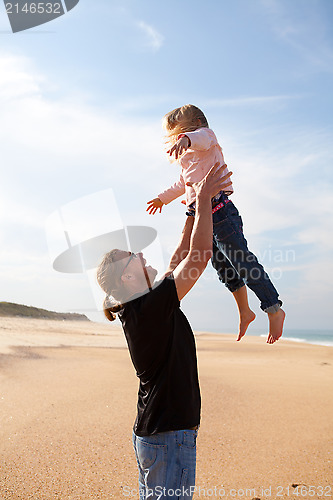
(233, 261)
(166, 463)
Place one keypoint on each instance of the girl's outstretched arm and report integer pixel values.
(173, 192)
(200, 139)
(182, 144)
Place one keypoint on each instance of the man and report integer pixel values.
(162, 349)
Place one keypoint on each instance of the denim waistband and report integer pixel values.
(218, 202)
(221, 197)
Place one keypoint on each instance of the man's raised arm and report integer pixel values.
(191, 266)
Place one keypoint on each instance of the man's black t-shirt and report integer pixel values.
(162, 349)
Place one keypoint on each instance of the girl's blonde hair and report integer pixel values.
(109, 274)
(181, 120)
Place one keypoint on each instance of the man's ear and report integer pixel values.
(127, 277)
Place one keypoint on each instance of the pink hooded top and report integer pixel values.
(202, 154)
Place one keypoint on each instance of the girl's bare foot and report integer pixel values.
(246, 315)
(276, 321)
(244, 321)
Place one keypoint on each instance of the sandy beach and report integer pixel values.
(68, 401)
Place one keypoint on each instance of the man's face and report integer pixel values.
(136, 265)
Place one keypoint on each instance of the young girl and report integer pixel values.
(195, 147)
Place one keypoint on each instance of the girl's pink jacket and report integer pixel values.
(196, 162)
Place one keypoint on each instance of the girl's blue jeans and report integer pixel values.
(235, 265)
(166, 463)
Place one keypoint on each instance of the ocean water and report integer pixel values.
(317, 337)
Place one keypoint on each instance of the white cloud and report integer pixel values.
(13, 211)
(250, 101)
(303, 26)
(276, 191)
(54, 150)
(138, 34)
(153, 37)
(64, 135)
(13, 69)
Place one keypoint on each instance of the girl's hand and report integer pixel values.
(180, 147)
(154, 205)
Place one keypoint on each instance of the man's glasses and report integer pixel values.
(132, 256)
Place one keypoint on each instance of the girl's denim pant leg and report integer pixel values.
(234, 263)
(166, 463)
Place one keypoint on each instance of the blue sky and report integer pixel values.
(82, 99)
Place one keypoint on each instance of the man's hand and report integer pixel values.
(180, 147)
(154, 205)
(212, 183)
